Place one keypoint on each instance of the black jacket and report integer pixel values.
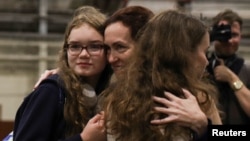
(40, 116)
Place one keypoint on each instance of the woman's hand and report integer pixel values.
(95, 129)
(183, 111)
(45, 75)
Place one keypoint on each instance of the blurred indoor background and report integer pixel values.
(31, 32)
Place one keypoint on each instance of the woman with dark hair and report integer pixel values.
(160, 64)
(122, 30)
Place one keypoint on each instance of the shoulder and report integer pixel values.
(52, 79)
(49, 87)
(52, 82)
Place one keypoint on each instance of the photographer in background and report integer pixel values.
(230, 72)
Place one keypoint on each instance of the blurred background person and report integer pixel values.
(230, 72)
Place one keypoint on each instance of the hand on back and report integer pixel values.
(45, 75)
(185, 112)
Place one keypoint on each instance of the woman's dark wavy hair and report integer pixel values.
(133, 17)
(161, 62)
(76, 112)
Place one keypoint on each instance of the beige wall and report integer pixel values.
(21, 63)
(13, 88)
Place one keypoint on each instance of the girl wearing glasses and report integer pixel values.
(62, 106)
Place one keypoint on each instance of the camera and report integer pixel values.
(220, 33)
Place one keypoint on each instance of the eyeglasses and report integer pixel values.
(92, 49)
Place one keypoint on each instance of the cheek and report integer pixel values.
(202, 60)
(128, 54)
(71, 60)
(200, 64)
(236, 41)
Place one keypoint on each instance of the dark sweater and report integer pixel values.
(40, 116)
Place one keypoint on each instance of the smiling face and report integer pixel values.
(83, 63)
(121, 45)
